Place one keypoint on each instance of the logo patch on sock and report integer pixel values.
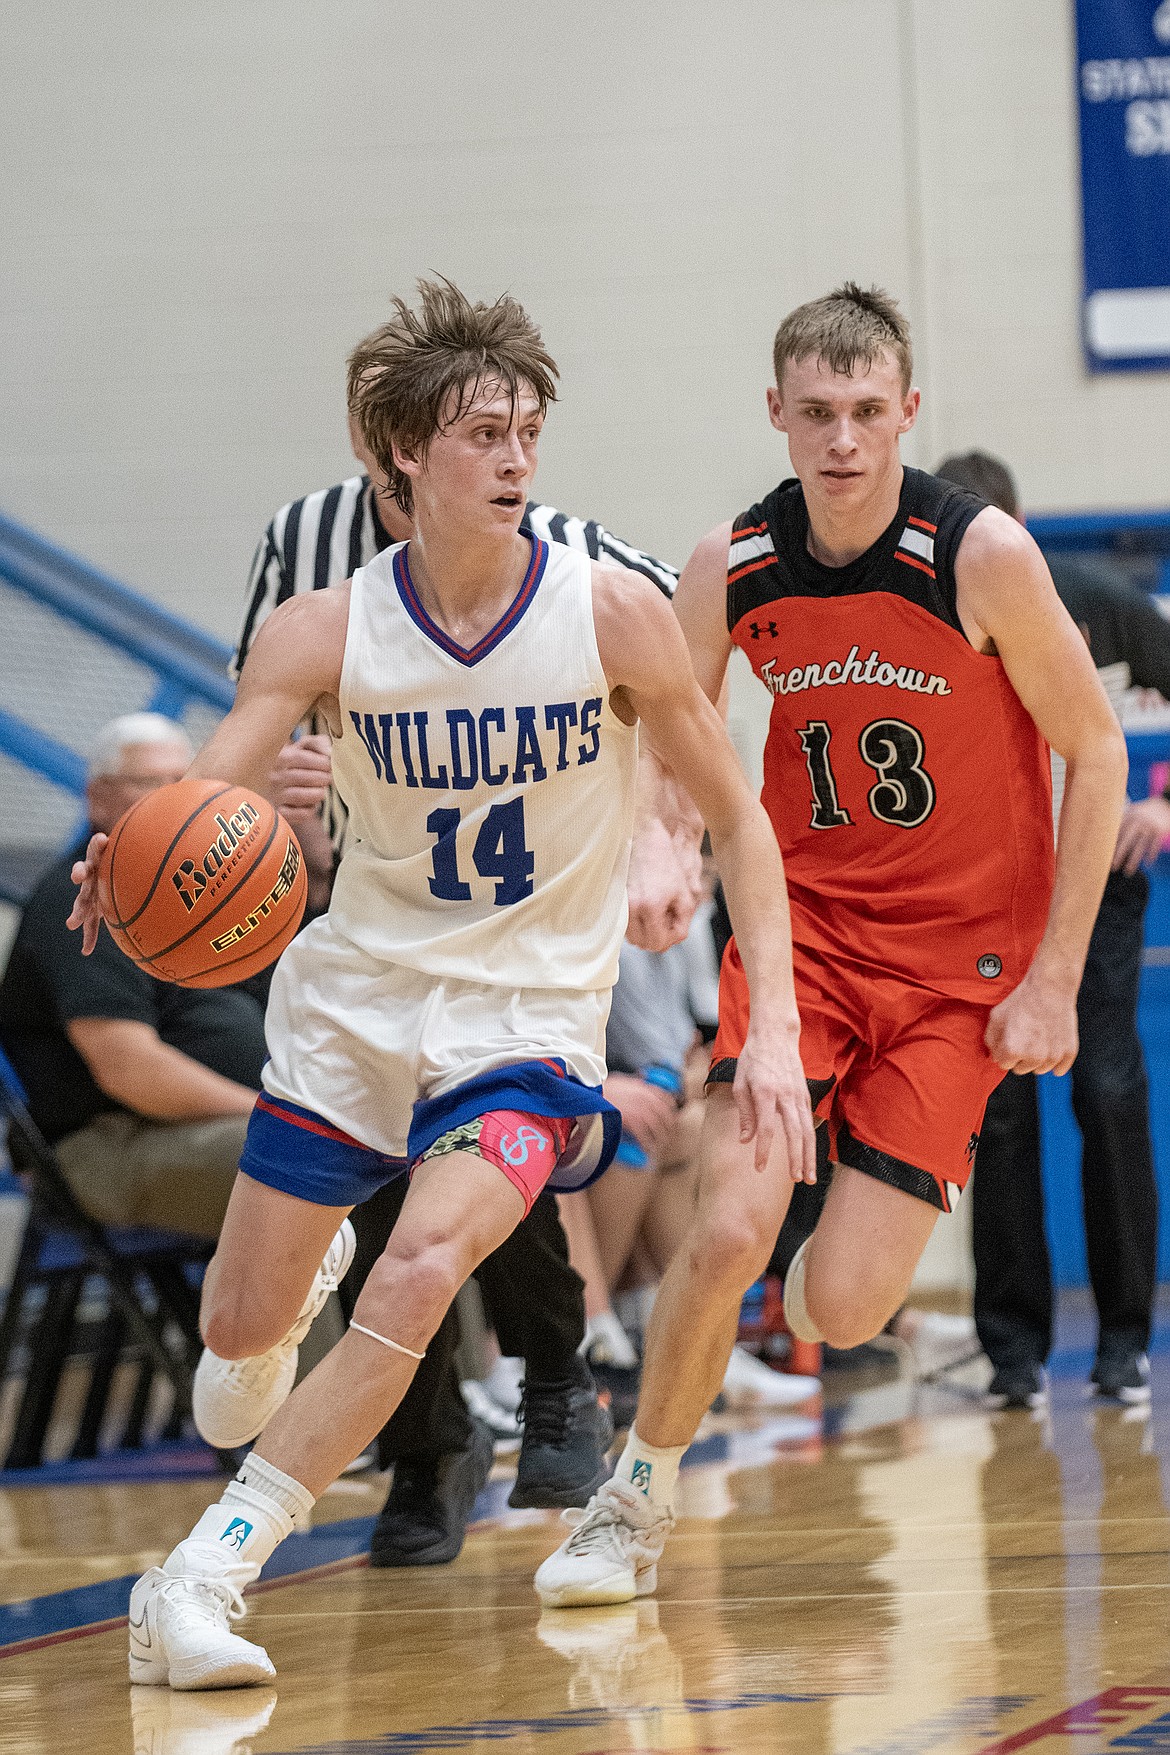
(640, 1476)
(236, 1533)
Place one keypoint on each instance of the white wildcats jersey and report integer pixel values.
(490, 791)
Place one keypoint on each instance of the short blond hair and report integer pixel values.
(848, 327)
(415, 375)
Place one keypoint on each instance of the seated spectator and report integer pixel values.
(144, 1088)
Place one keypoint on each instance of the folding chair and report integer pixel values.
(152, 1303)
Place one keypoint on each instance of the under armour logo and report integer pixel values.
(758, 632)
(516, 1152)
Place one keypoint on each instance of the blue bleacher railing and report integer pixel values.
(191, 661)
(189, 666)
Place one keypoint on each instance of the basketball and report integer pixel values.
(202, 883)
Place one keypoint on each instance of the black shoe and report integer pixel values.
(424, 1519)
(1018, 1386)
(1121, 1374)
(619, 1385)
(566, 1435)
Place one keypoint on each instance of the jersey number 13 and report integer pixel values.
(903, 793)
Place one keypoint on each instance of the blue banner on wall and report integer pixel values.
(1124, 75)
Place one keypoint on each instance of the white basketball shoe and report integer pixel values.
(181, 1637)
(234, 1399)
(612, 1555)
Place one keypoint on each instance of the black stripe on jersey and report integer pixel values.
(266, 556)
(325, 538)
(354, 557)
(288, 574)
(556, 526)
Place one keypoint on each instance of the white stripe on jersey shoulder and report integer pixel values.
(663, 575)
(918, 543)
(749, 548)
(539, 521)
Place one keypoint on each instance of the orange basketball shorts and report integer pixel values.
(900, 1074)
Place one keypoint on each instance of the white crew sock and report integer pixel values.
(795, 1309)
(234, 1538)
(651, 1470)
(608, 1341)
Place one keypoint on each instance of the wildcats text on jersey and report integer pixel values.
(498, 746)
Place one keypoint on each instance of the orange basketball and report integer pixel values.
(202, 883)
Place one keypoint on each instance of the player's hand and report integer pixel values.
(648, 1112)
(771, 1091)
(1144, 827)
(1035, 1028)
(663, 889)
(301, 776)
(86, 912)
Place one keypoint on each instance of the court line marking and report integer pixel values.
(91, 1628)
(725, 1602)
(312, 1574)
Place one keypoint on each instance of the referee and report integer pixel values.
(534, 1298)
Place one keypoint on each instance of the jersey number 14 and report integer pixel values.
(903, 793)
(500, 852)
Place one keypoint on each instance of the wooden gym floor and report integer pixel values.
(902, 1574)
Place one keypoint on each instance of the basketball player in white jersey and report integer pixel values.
(447, 1016)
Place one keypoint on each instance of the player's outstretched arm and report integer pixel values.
(293, 668)
(665, 865)
(1006, 595)
(649, 670)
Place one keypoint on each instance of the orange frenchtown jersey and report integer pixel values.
(910, 790)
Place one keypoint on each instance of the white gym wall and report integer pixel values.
(204, 207)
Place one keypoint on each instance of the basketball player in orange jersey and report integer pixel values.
(920, 662)
(483, 690)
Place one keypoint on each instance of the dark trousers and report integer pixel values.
(1013, 1281)
(534, 1300)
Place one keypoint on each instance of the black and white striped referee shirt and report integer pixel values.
(327, 536)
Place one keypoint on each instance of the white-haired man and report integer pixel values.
(144, 1088)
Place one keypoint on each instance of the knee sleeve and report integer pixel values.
(795, 1309)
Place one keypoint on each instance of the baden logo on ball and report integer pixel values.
(190, 879)
(202, 883)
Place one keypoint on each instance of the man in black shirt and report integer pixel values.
(1130, 642)
(144, 1088)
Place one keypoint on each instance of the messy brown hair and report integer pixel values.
(417, 374)
(850, 326)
